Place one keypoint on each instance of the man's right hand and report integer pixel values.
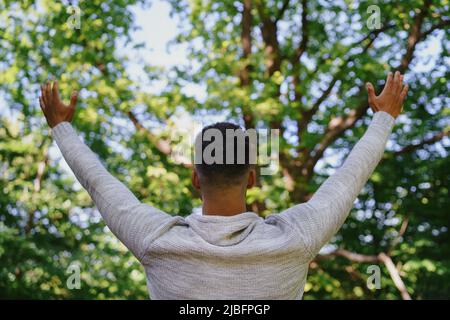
(391, 98)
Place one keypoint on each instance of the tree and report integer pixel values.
(297, 66)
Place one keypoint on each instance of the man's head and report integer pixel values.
(225, 159)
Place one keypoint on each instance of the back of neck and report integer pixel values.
(224, 204)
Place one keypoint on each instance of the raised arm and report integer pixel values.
(322, 216)
(134, 223)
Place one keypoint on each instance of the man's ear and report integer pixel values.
(251, 182)
(195, 179)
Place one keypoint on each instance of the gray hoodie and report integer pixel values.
(221, 257)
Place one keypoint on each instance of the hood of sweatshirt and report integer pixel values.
(223, 230)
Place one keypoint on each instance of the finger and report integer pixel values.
(401, 86)
(43, 94)
(404, 92)
(396, 84)
(370, 90)
(372, 96)
(55, 91)
(73, 99)
(41, 103)
(50, 91)
(388, 80)
(48, 96)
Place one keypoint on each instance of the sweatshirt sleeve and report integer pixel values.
(134, 223)
(322, 216)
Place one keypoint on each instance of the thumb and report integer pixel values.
(372, 96)
(370, 91)
(73, 99)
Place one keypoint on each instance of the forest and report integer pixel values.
(294, 65)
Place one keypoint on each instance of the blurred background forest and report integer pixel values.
(296, 65)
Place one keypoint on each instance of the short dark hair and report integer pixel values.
(233, 167)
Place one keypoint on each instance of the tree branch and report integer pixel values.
(352, 256)
(401, 232)
(37, 184)
(412, 147)
(307, 115)
(244, 74)
(305, 35)
(439, 25)
(381, 257)
(163, 146)
(334, 129)
(300, 50)
(338, 125)
(415, 36)
(395, 275)
(370, 35)
(283, 9)
(269, 35)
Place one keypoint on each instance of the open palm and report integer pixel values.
(391, 98)
(55, 111)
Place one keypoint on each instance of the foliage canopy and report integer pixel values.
(299, 66)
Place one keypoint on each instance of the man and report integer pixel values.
(226, 252)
